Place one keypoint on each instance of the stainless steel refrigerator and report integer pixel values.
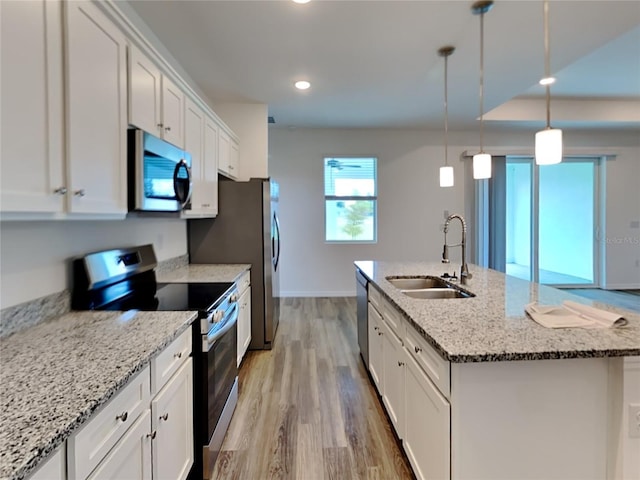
(246, 230)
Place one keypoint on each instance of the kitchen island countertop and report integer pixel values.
(492, 326)
(55, 375)
(197, 273)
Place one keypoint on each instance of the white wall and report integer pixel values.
(411, 204)
(249, 123)
(35, 256)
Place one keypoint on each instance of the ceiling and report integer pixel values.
(375, 63)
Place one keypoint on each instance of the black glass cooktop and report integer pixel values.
(166, 297)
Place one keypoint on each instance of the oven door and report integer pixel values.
(220, 355)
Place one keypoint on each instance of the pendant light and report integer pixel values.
(482, 160)
(446, 172)
(548, 141)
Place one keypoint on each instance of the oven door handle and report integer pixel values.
(229, 323)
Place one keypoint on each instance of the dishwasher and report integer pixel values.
(363, 322)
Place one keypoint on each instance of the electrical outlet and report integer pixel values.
(634, 420)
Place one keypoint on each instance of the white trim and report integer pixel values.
(621, 286)
(350, 293)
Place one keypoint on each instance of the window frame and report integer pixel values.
(373, 198)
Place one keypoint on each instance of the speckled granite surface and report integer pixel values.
(54, 375)
(204, 273)
(492, 326)
(24, 315)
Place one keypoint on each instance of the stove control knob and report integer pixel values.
(217, 315)
(233, 298)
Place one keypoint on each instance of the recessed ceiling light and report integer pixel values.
(302, 85)
(301, 1)
(547, 81)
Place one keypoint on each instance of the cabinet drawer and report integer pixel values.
(53, 469)
(169, 360)
(393, 317)
(90, 445)
(436, 367)
(244, 282)
(375, 298)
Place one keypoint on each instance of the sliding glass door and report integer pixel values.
(550, 220)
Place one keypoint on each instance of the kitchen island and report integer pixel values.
(476, 389)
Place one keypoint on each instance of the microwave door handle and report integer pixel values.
(177, 181)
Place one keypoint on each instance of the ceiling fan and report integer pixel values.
(338, 165)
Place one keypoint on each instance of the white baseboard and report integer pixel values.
(350, 293)
(621, 286)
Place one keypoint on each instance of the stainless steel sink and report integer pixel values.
(427, 287)
(409, 283)
(437, 293)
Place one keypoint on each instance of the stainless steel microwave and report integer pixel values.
(159, 174)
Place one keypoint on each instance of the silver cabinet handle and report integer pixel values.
(376, 328)
(80, 193)
(177, 355)
(231, 167)
(417, 349)
(152, 435)
(164, 417)
(379, 333)
(167, 129)
(61, 190)
(401, 364)
(123, 416)
(160, 125)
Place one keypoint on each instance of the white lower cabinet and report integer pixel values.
(426, 434)
(244, 315)
(375, 347)
(137, 436)
(54, 468)
(172, 431)
(131, 458)
(393, 359)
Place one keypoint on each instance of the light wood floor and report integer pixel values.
(306, 409)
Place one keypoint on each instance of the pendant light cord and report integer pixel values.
(446, 113)
(547, 61)
(481, 82)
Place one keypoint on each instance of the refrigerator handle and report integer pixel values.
(276, 238)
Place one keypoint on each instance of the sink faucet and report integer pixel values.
(464, 270)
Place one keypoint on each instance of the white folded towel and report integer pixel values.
(572, 314)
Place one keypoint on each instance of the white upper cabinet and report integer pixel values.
(145, 84)
(172, 113)
(229, 155)
(32, 107)
(96, 111)
(201, 138)
(156, 104)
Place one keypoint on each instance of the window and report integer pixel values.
(350, 198)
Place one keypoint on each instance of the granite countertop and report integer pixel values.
(492, 326)
(195, 273)
(55, 375)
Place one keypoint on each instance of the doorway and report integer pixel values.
(544, 220)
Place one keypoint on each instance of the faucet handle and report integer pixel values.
(445, 254)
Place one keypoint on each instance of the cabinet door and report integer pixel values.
(427, 436)
(224, 149)
(96, 111)
(172, 422)
(234, 159)
(394, 372)
(194, 128)
(31, 154)
(144, 92)
(172, 113)
(244, 323)
(131, 456)
(375, 348)
(210, 166)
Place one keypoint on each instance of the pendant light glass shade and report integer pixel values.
(548, 145)
(446, 176)
(446, 172)
(481, 166)
(482, 160)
